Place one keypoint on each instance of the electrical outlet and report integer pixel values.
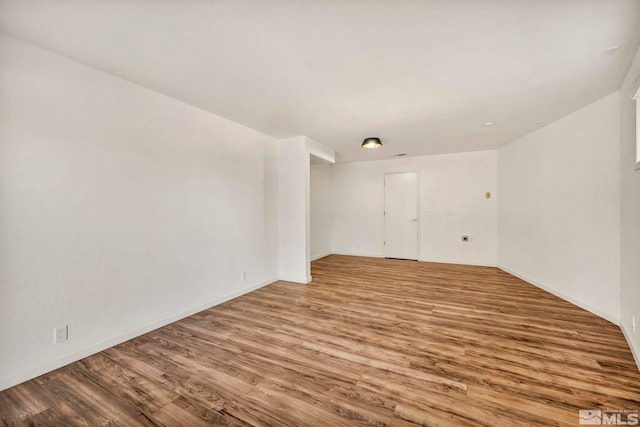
(243, 276)
(633, 323)
(60, 334)
(466, 238)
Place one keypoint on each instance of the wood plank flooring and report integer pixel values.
(368, 342)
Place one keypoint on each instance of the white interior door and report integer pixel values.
(401, 215)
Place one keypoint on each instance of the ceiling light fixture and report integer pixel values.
(488, 124)
(371, 143)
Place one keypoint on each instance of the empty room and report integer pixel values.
(319, 213)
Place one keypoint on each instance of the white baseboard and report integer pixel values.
(96, 348)
(301, 280)
(446, 261)
(366, 254)
(313, 258)
(442, 261)
(635, 350)
(568, 298)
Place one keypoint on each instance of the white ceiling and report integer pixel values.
(422, 75)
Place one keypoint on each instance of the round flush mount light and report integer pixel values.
(371, 143)
(488, 124)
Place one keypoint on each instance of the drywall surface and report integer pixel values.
(321, 210)
(630, 209)
(121, 209)
(559, 207)
(293, 210)
(452, 203)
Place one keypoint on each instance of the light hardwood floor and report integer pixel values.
(368, 342)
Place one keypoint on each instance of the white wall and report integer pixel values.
(292, 211)
(321, 210)
(121, 209)
(452, 204)
(630, 210)
(294, 208)
(559, 207)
